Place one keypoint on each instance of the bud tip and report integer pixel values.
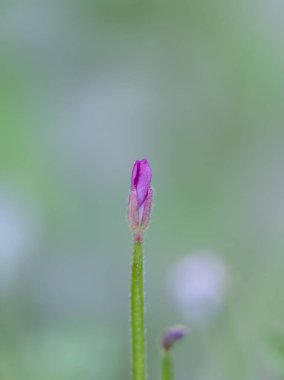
(173, 335)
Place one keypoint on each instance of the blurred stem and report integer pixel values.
(167, 366)
(137, 314)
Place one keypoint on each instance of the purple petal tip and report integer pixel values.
(141, 179)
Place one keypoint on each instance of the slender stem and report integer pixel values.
(137, 314)
(167, 366)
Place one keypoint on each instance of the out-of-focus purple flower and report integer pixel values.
(173, 335)
(198, 284)
(140, 198)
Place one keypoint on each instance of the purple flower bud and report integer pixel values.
(173, 335)
(141, 180)
(140, 198)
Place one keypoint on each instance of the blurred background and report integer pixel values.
(86, 88)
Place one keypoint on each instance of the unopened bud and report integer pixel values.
(173, 335)
(140, 198)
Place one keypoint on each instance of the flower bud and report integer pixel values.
(173, 335)
(140, 198)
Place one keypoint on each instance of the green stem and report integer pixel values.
(137, 314)
(167, 366)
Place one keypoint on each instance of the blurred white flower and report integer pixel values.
(18, 230)
(198, 284)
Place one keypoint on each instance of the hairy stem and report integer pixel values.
(137, 314)
(167, 366)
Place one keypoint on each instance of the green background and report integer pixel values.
(87, 87)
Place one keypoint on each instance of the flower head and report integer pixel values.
(140, 198)
(173, 335)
